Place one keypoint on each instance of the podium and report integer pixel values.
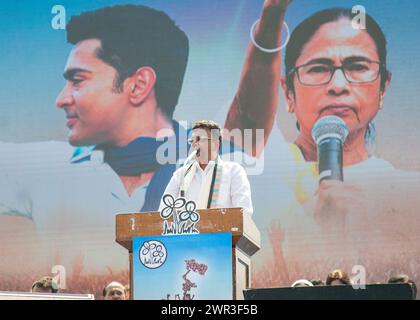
(245, 238)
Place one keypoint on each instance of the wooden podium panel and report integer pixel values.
(245, 238)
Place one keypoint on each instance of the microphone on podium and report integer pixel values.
(192, 155)
(187, 161)
(329, 134)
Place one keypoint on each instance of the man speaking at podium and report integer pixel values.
(205, 178)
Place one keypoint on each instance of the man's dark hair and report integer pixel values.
(306, 29)
(133, 36)
(210, 125)
(46, 283)
(339, 275)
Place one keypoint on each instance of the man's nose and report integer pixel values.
(64, 98)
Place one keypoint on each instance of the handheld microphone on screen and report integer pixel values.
(329, 134)
(193, 153)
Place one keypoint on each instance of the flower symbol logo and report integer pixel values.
(158, 252)
(171, 205)
(147, 247)
(152, 254)
(189, 212)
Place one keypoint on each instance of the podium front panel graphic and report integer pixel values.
(183, 267)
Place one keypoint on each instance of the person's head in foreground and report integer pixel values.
(114, 291)
(338, 277)
(302, 283)
(45, 285)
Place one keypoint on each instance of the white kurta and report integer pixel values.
(235, 190)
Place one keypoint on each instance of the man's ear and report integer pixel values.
(289, 95)
(140, 85)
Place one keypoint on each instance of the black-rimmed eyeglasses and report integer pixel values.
(315, 74)
(197, 139)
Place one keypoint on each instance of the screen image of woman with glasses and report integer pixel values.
(333, 67)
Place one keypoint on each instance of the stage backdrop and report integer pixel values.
(57, 214)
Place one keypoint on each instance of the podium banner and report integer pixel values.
(183, 267)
